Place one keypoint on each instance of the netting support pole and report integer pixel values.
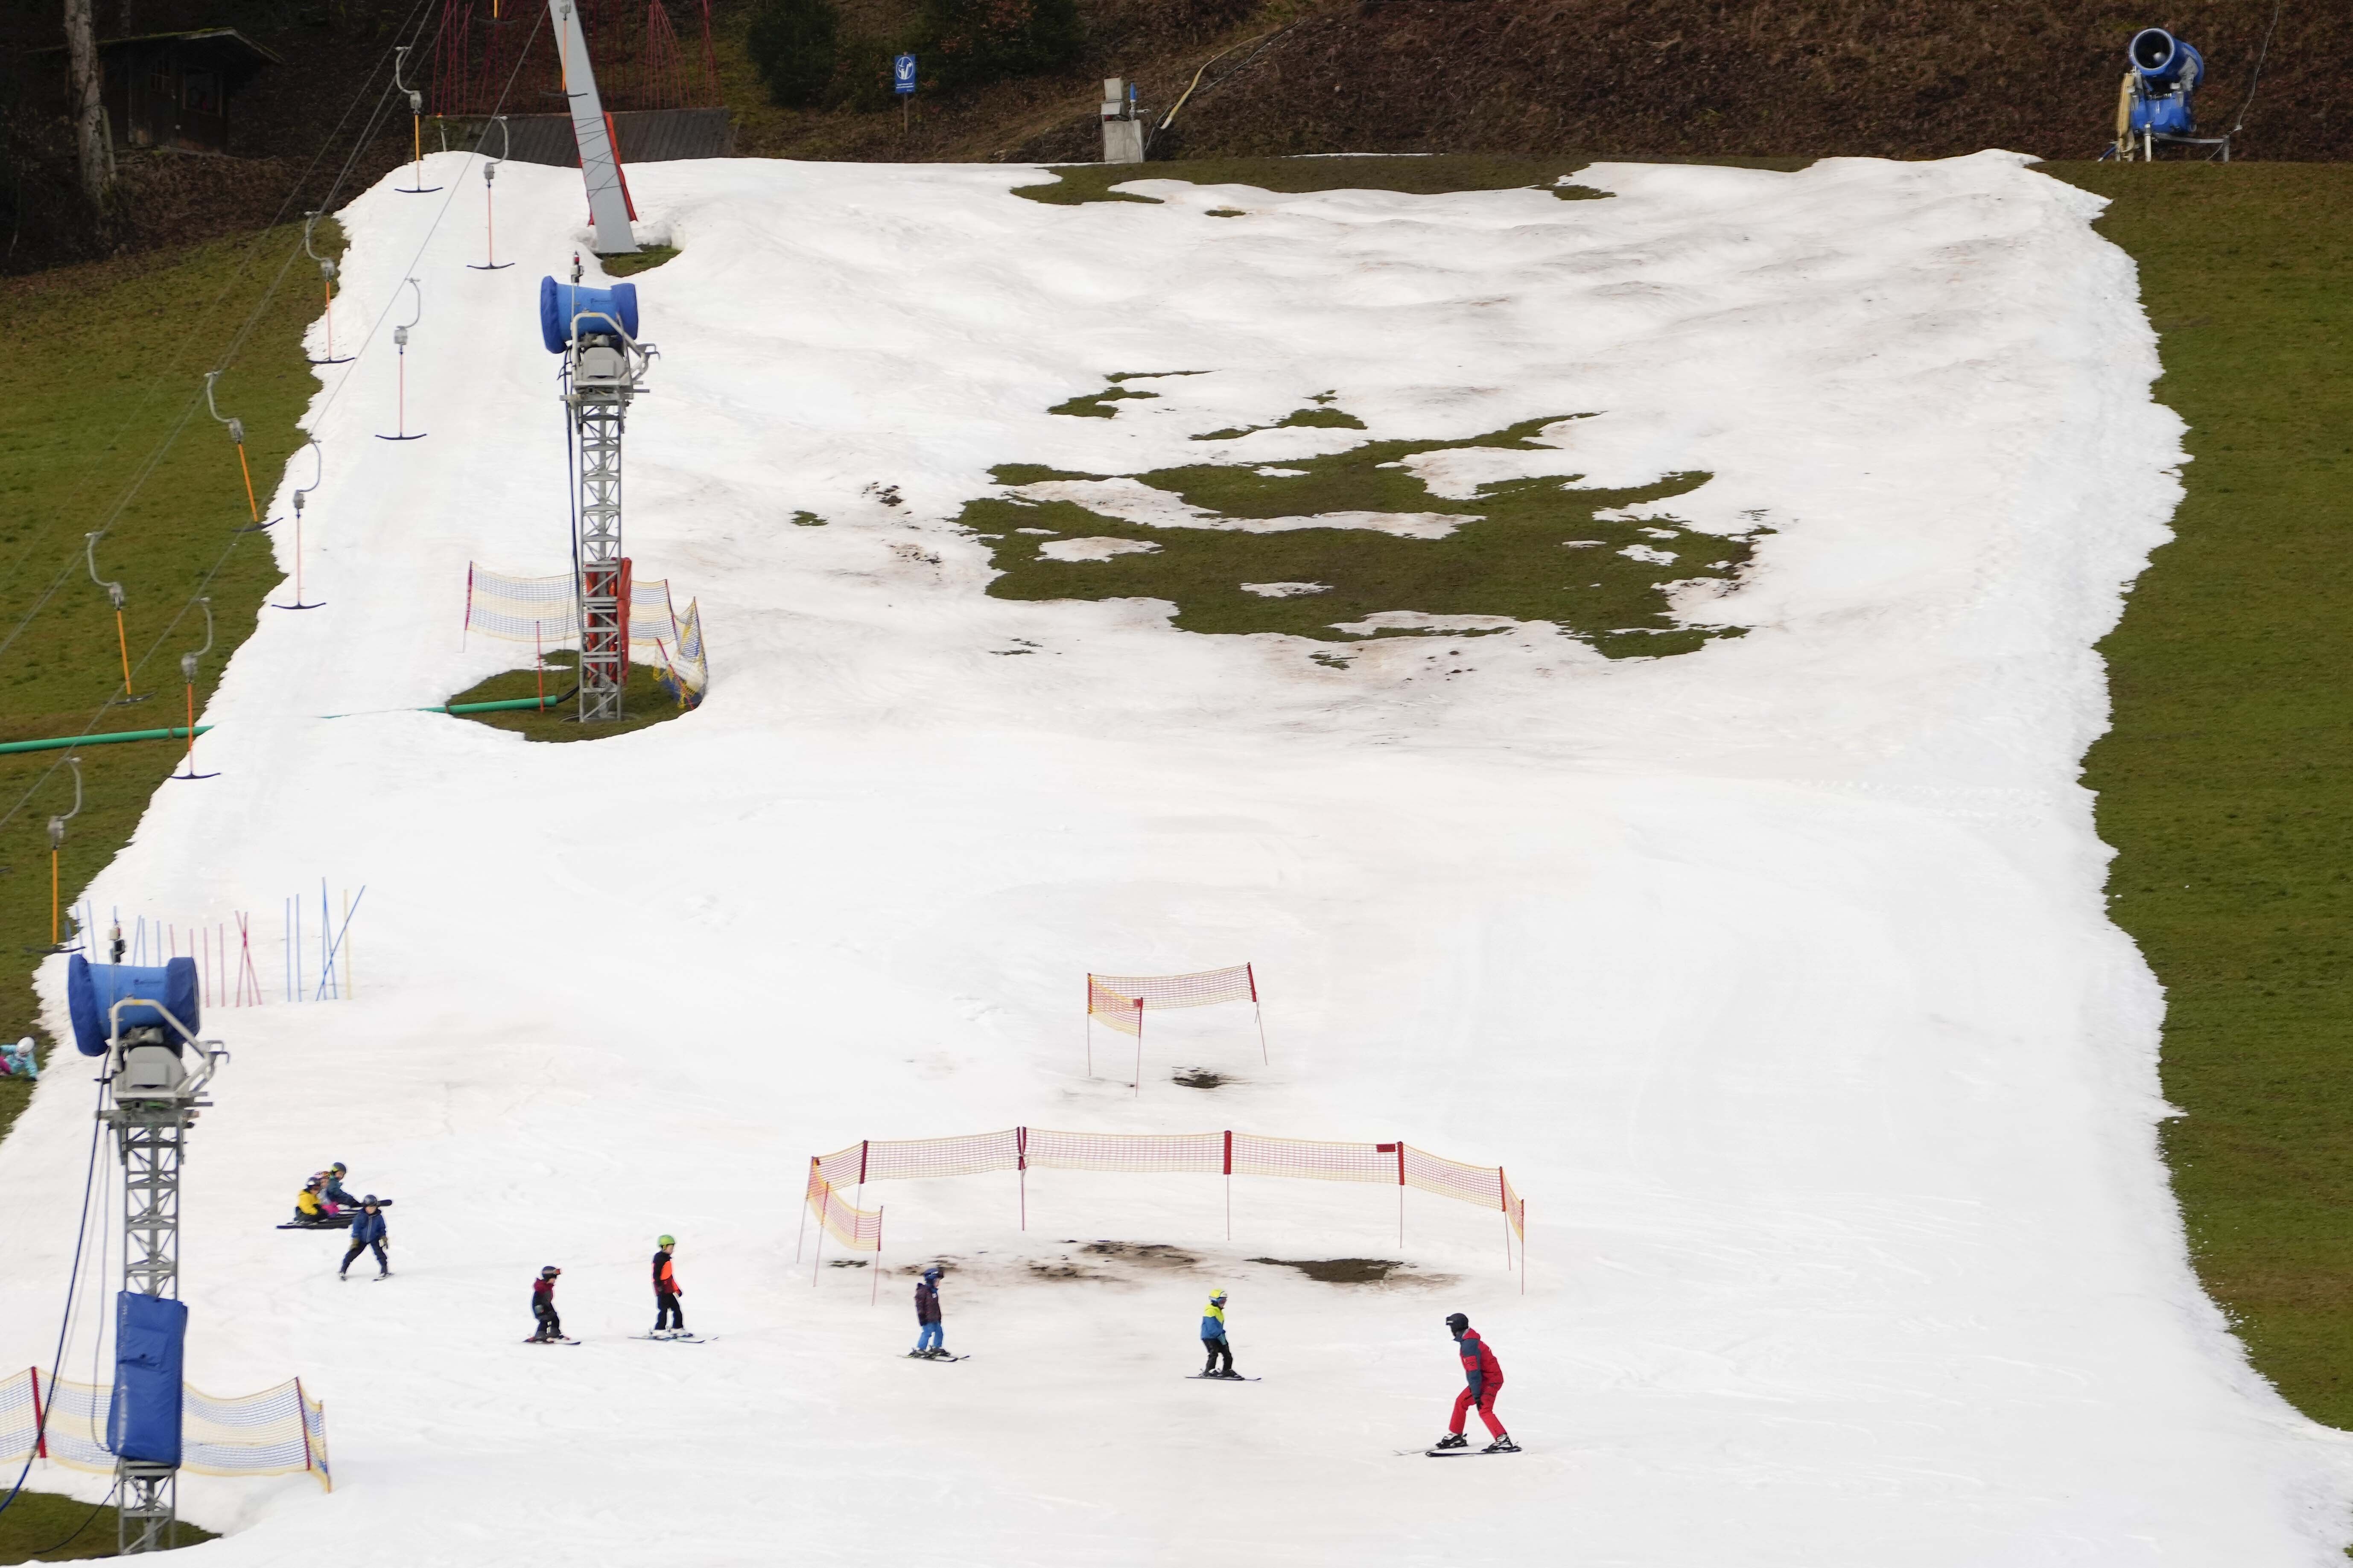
(1504, 1201)
(1021, 1170)
(818, 1253)
(874, 1291)
(1250, 973)
(800, 1235)
(40, 1423)
(1139, 1047)
(1524, 1246)
(1400, 1193)
(1230, 1184)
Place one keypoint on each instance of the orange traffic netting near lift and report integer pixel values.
(1227, 1154)
(1122, 999)
(279, 1432)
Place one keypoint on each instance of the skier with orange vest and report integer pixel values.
(1483, 1376)
(669, 1319)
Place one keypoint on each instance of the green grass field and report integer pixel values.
(2226, 785)
(2223, 786)
(119, 351)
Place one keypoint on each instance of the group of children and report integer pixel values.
(669, 1318)
(1482, 1375)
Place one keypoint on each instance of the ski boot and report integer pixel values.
(1502, 1444)
(1452, 1440)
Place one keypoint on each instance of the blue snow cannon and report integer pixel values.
(93, 989)
(599, 310)
(2170, 73)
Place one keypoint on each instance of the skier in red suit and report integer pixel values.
(1484, 1378)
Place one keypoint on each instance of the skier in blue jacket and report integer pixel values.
(367, 1233)
(1213, 1338)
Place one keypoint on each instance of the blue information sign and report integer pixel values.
(903, 74)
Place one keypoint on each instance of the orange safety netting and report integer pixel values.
(280, 1431)
(1229, 1154)
(1122, 999)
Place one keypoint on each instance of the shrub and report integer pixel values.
(968, 42)
(791, 43)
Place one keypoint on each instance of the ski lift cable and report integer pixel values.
(166, 375)
(204, 585)
(73, 1281)
(165, 443)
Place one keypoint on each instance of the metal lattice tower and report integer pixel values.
(597, 413)
(151, 1136)
(604, 369)
(153, 1100)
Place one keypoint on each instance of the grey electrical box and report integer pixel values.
(150, 1072)
(1123, 126)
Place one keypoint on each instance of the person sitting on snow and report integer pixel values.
(332, 1192)
(18, 1061)
(309, 1205)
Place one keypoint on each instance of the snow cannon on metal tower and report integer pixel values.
(148, 1008)
(2157, 104)
(143, 1021)
(605, 365)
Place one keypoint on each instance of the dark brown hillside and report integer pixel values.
(1598, 77)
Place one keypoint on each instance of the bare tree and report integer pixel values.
(95, 148)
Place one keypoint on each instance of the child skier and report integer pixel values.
(542, 1308)
(1485, 1377)
(930, 1334)
(669, 1319)
(1213, 1338)
(17, 1060)
(367, 1233)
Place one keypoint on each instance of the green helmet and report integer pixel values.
(667, 1241)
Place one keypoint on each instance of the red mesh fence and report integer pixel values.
(859, 1229)
(1183, 1153)
(1227, 1154)
(1121, 992)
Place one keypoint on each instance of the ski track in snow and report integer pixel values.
(1776, 974)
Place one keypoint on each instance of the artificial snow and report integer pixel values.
(1775, 974)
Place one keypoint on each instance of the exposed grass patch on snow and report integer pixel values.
(644, 703)
(46, 1527)
(1503, 560)
(1080, 182)
(2226, 782)
(645, 259)
(1343, 1270)
(1320, 416)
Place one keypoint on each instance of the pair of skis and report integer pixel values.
(671, 1339)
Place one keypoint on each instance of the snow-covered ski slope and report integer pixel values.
(1775, 974)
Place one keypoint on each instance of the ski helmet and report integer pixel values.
(339, 1168)
(931, 1271)
(550, 1272)
(666, 1241)
(368, 1202)
(1457, 1321)
(1217, 1295)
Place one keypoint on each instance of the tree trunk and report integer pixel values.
(95, 148)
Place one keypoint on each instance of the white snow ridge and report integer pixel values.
(1775, 973)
